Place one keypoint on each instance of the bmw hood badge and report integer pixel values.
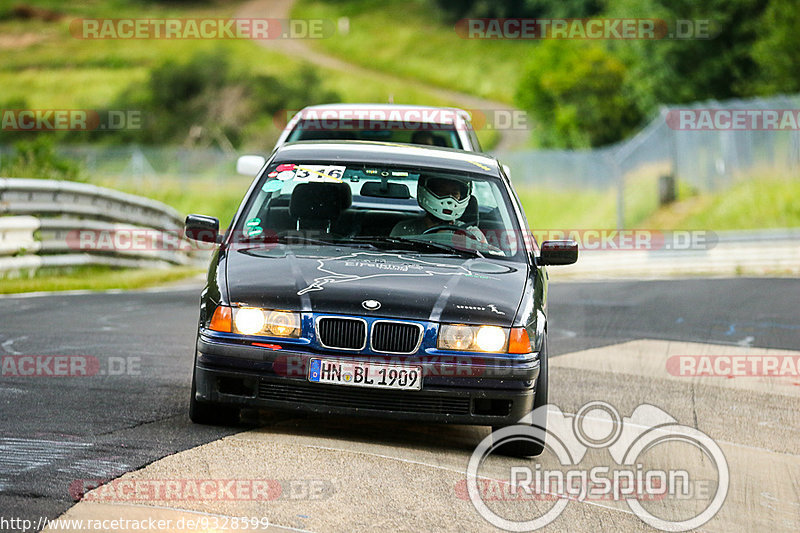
(371, 305)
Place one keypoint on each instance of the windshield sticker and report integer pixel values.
(253, 227)
(319, 173)
(365, 265)
(271, 186)
(285, 166)
(272, 174)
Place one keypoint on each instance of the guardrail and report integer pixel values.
(735, 253)
(61, 223)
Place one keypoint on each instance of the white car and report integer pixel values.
(439, 126)
(447, 127)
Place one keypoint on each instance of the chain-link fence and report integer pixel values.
(700, 157)
(702, 149)
(131, 165)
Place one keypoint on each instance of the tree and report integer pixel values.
(777, 50)
(575, 92)
(673, 70)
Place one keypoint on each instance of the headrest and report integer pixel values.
(320, 200)
(385, 190)
(470, 215)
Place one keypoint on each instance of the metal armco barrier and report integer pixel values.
(50, 223)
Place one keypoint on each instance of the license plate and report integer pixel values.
(361, 374)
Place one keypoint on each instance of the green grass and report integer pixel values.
(59, 71)
(406, 38)
(218, 198)
(568, 209)
(95, 278)
(749, 204)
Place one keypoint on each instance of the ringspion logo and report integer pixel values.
(669, 499)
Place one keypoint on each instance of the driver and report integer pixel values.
(444, 200)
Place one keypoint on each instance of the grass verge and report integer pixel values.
(754, 203)
(95, 278)
(749, 204)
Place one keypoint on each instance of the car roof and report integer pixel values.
(339, 108)
(384, 153)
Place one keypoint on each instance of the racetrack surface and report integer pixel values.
(608, 341)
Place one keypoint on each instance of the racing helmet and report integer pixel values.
(444, 197)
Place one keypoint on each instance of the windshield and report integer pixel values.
(443, 135)
(425, 210)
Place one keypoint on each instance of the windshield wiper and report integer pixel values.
(417, 244)
(297, 239)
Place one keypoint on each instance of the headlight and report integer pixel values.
(456, 337)
(256, 321)
(490, 339)
(283, 324)
(472, 338)
(249, 320)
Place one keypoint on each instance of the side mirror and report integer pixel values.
(558, 252)
(249, 165)
(202, 228)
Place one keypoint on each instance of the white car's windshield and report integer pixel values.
(443, 135)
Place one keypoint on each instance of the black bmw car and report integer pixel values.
(375, 279)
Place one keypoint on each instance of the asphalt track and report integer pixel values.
(608, 340)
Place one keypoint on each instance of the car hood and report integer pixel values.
(349, 281)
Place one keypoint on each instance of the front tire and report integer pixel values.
(528, 447)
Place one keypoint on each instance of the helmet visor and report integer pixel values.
(443, 187)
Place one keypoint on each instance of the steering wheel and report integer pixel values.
(453, 228)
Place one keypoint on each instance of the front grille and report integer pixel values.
(358, 398)
(342, 333)
(395, 337)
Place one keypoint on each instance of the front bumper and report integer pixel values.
(469, 391)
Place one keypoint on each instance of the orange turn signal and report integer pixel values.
(222, 319)
(518, 341)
